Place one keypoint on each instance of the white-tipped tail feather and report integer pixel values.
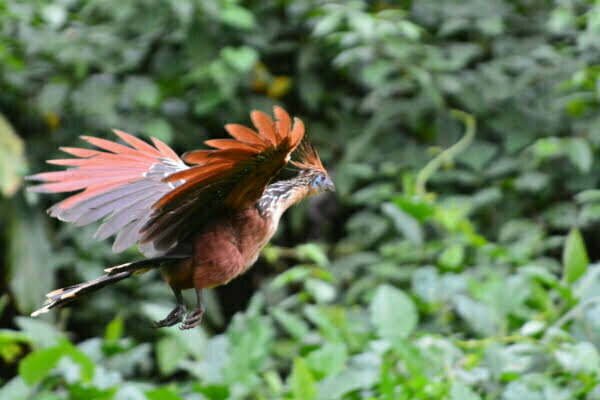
(63, 296)
(60, 297)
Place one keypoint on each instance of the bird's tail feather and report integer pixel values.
(63, 296)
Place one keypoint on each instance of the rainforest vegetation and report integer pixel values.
(455, 260)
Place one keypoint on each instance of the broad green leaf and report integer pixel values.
(237, 17)
(328, 359)
(452, 257)
(211, 369)
(319, 316)
(292, 323)
(531, 328)
(241, 58)
(314, 253)
(327, 24)
(575, 258)
(376, 73)
(114, 330)
(273, 382)
(162, 394)
(393, 313)
(478, 155)
(561, 20)
(29, 256)
(302, 384)
(580, 154)
(12, 345)
(356, 376)
(482, 318)
(15, 389)
(86, 366)
(548, 147)
(588, 196)
(460, 391)
(532, 181)
(250, 337)
(54, 14)
(322, 292)
(590, 214)
(169, 353)
(536, 387)
(12, 158)
(418, 208)
(292, 275)
(38, 364)
(404, 223)
(579, 358)
(214, 392)
(79, 391)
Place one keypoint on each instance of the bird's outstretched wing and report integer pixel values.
(120, 184)
(146, 193)
(230, 177)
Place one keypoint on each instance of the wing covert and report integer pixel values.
(231, 176)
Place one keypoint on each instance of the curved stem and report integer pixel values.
(434, 164)
(572, 313)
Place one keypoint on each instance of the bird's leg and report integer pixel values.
(176, 315)
(194, 318)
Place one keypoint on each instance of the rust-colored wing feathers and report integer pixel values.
(260, 160)
(245, 134)
(265, 127)
(231, 144)
(232, 176)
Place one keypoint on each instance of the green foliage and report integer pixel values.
(453, 262)
(393, 313)
(575, 258)
(12, 163)
(37, 365)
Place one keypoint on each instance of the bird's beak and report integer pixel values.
(328, 185)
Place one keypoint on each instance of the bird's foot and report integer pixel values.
(174, 317)
(192, 319)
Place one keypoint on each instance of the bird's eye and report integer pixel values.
(318, 180)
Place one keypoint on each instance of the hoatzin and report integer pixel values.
(202, 219)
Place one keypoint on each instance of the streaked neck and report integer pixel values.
(280, 196)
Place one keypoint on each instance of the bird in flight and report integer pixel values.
(201, 218)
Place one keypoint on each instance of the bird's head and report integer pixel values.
(312, 171)
(316, 181)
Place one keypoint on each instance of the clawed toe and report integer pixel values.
(174, 317)
(192, 319)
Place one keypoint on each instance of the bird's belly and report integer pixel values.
(230, 248)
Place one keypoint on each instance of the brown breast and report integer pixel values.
(229, 247)
(253, 232)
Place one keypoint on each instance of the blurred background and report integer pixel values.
(452, 263)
